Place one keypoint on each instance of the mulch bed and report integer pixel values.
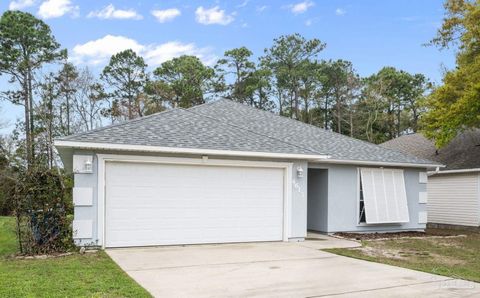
(394, 235)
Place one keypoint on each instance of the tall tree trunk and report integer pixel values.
(32, 128)
(325, 113)
(28, 139)
(339, 116)
(68, 112)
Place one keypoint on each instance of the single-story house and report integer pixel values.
(453, 192)
(227, 172)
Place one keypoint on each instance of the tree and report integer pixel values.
(339, 87)
(184, 81)
(288, 59)
(455, 106)
(65, 84)
(126, 77)
(26, 44)
(236, 64)
(87, 100)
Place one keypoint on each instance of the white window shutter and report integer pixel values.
(384, 195)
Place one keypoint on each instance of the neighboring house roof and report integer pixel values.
(463, 152)
(227, 125)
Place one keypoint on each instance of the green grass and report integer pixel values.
(88, 275)
(457, 257)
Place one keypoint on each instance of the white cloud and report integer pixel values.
(213, 15)
(301, 7)
(166, 15)
(308, 22)
(157, 54)
(110, 12)
(57, 8)
(99, 51)
(340, 12)
(20, 4)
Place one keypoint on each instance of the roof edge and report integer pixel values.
(380, 163)
(178, 150)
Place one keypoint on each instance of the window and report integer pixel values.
(383, 196)
(361, 209)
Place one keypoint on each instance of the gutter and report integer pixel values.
(176, 150)
(380, 163)
(473, 170)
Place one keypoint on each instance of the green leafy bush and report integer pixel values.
(42, 205)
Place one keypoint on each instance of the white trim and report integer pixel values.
(378, 163)
(478, 195)
(431, 173)
(176, 150)
(103, 158)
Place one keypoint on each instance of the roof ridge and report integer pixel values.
(255, 132)
(117, 124)
(310, 125)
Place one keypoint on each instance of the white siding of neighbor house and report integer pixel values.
(454, 199)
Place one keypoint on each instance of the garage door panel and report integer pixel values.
(156, 204)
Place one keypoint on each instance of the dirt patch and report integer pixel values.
(395, 235)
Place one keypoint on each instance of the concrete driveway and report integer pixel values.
(277, 269)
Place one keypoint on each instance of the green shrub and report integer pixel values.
(42, 205)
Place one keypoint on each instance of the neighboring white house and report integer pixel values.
(227, 172)
(453, 192)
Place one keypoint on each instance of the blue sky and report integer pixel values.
(370, 33)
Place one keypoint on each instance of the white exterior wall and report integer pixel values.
(454, 199)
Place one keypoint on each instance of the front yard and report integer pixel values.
(92, 274)
(457, 255)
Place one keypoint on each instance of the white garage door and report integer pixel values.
(159, 204)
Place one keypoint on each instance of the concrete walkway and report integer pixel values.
(277, 269)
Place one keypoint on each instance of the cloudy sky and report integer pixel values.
(370, 33)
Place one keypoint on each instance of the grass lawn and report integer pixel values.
(457, 257)
(88, 275)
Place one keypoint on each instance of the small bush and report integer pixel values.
(42, 205)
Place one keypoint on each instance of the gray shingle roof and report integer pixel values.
(180, 128)
(463, 152)
(227, 125)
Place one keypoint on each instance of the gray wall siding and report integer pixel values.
(343, 200)
(298, 216)
(87, 212)
(317, 215)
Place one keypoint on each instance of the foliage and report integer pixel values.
(455, 105)
(392, 103)
(26, 44)
(288, 60)
(42, 205)
(457, 257)
(126, 75)
(184, 80)
(89, 275)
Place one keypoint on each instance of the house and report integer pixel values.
(453, 192)
(227, 172)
